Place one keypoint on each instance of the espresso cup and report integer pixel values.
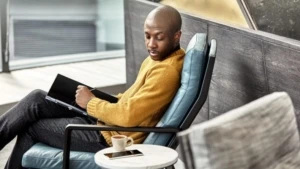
(120, 142)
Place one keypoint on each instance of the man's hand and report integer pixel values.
(83, 96)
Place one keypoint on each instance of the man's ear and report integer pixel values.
(177, 37)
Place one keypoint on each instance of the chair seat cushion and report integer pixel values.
(46, 157)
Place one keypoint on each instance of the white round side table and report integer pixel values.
(154, 157)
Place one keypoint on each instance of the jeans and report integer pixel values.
(36, 119)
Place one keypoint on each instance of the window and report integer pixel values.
(63, 31)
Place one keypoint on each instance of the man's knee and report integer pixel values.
(36, 94)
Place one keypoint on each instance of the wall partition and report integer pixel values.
(249, 63)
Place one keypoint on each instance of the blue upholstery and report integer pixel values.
(42, 156)
(192, 74)
(46, 157)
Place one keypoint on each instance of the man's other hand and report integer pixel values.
(83, 96)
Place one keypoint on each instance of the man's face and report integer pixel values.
(159, 39)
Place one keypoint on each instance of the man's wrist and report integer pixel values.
(89, 101)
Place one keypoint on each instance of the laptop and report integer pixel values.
(63, 90)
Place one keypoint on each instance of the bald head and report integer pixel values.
(162, 30)
(166, 16)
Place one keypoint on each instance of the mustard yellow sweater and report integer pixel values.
(144, 103)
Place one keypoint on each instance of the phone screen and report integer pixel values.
(128, 153)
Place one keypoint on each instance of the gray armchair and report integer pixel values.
(260, 135)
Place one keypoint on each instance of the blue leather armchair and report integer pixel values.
(195, 80)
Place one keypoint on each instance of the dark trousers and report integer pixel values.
(35, 119)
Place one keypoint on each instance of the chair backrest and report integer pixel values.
(257, 135)
(195, 79)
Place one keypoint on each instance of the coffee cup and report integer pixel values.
(120, 142)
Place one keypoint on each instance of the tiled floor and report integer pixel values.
(15, 85)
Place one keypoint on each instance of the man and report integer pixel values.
(35, 119)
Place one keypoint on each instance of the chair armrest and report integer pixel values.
(71, 127)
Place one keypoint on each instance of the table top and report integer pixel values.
(154, 157)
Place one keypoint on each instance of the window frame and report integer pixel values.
(4, 4)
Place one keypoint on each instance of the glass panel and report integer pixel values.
(59, 31)
(277, 17)
(274, 16)
(225, 11)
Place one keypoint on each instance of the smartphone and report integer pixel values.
(122, 154)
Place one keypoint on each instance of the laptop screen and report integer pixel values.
(64, 89)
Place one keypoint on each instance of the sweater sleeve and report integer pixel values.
(119, 96)
(158, 90)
